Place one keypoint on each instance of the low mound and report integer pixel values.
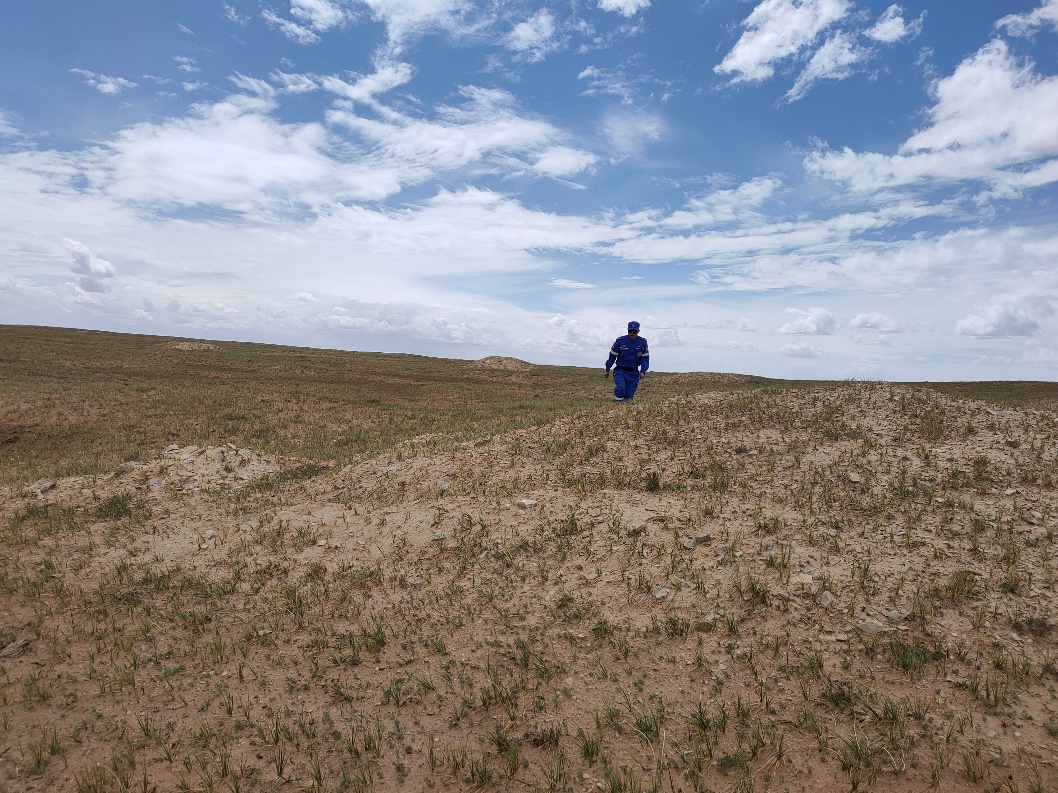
(502, 362)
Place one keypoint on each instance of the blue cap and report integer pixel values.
(633, 325)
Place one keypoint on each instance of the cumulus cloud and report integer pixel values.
(626, 8)
(95, 273)
(776, 30)
(874, 321)
(988, 123)
(561, 161)
(185, 64)
(891, 27)
(745, 325)
(837, 59)
(535, 37)
(104, 83)
(1027, 24)
(1004, 320)
(815, 321)
(565, 283)
(801, 350)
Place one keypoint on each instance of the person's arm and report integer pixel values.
(644, 362)
(611, 359)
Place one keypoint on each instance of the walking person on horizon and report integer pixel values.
(630, 359)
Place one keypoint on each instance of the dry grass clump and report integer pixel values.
(826, 589)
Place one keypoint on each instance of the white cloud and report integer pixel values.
(994, 119)
(1027, 24)
(95, 272)
(629, 131)
(535, 37)
(294, 83)
(292, 30)
(565, 283)
(104, 83)
(321, 15)
(775, 30)
(192, 86)
(815, 321)
(742, 205)
(1003, 320)
(891, 26)
(801, 350)
(835, 60)
(387, 76)
(873, 339)
(407, 19)
(559, 161)
(625, 8)
(745, 325)
(233, 15)
(874, 321)
(305, 297)
(185, 64)
(7, 126)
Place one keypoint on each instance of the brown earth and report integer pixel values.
(816, 590)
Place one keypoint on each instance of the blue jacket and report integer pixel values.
(629, 354)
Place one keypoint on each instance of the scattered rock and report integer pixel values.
(724, 554)
(209, 535)
(660, 593)
(855, 478)
(525, 503)
(321, 543)
(826, 600)
(871, 627)
(694, 542)
(437, 537)
(15, 649)
(802, 579)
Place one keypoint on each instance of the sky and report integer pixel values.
(788, 188)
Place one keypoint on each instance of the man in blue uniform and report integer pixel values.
(630, 360)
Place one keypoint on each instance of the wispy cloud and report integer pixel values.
(801, 350)
(565, 283)
(1027, 24)
(837, 59)
(776, 30)
(105, 84)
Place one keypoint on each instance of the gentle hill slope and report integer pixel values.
(805, 589)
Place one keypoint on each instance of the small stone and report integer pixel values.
(210, 534)
(1010, 491)
(826, 600)
(525, 503)
(802, 579)
(896, 616)
(437, 537)
(660, 593)
(590, 576)
(172, 448)
(321, 543)
(871, 627)
(855, 478)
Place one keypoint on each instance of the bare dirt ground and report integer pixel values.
(820, 590)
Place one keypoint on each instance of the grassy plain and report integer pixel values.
(373, 572)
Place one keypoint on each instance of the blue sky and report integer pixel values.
(798, 188)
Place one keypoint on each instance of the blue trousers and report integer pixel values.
(625, 383)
